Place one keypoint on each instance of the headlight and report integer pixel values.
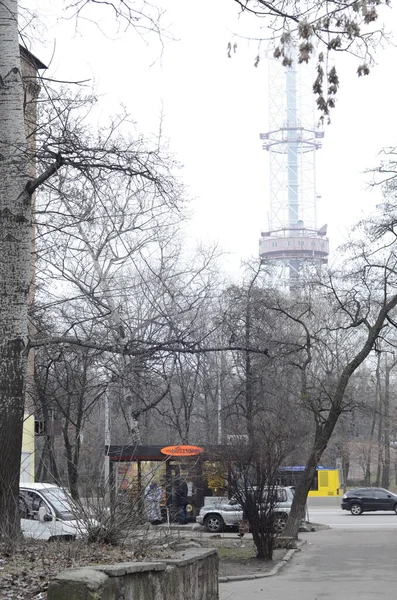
(344, 497)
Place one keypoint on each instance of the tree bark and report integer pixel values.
(15, 260)
(386, 427)
(345, 462)
(367, 472)
(377, 408)
(305, 482)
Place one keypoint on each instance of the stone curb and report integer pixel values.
(277, 567)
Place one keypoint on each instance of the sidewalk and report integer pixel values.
(356, 565)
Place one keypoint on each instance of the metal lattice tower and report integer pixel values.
(293, 239)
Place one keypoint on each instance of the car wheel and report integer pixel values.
(356, 509)
(279, 523)
(214, 523)
(395, 508)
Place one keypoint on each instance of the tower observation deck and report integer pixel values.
(293, 239)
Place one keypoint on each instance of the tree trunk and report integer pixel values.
(72, 459)
(379, 462)
(367, 469)
(302, 489)
(15, 258)
(264, 544)
(386, 428)
(249, 392)
(345, 463)
(395, 472)
(345, 454)
(380, 425)
(73, 475)
(367, 472)
(47, 470)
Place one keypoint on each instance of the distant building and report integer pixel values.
(30, 66)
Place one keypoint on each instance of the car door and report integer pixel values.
(29, 504)
(366, 498)
(383, 500)
(232, 512)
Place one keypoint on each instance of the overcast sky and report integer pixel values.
(214, 109)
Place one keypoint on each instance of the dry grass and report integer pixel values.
(25, 574)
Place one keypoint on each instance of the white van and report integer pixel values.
(48, 513)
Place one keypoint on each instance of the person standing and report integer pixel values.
(182, 501)
(153, 499)
(243, 525)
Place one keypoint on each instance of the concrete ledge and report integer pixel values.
(193, 573)
(119, 569)
(189, 556)
(81, 584)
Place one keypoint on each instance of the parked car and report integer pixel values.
(49, 513)
(228, 513)
(369, 499)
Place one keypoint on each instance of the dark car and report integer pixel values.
(369, 499)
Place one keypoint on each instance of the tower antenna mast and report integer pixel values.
(293, 239)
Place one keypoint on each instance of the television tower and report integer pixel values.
(292, 240)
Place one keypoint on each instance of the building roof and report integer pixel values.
(134, 452)
(139, 452)
(29, 57)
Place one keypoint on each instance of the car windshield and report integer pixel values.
(62, 503)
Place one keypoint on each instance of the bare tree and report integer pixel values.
(15, 249)
(364, 300)
(304, 31)
(254, 467)
(16, 189)
(69, 384)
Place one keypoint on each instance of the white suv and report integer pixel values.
(228, 513)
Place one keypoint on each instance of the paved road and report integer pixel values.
(342, 519)
(356, 565)
(331, 515)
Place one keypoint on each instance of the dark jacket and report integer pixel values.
(181, 493)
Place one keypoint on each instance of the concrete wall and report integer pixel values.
(190, 575)
(28, 441)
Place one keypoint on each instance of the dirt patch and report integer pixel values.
(240, 559)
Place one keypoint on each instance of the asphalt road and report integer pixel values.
(342, 519)
(332, 515)
(335, 563)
